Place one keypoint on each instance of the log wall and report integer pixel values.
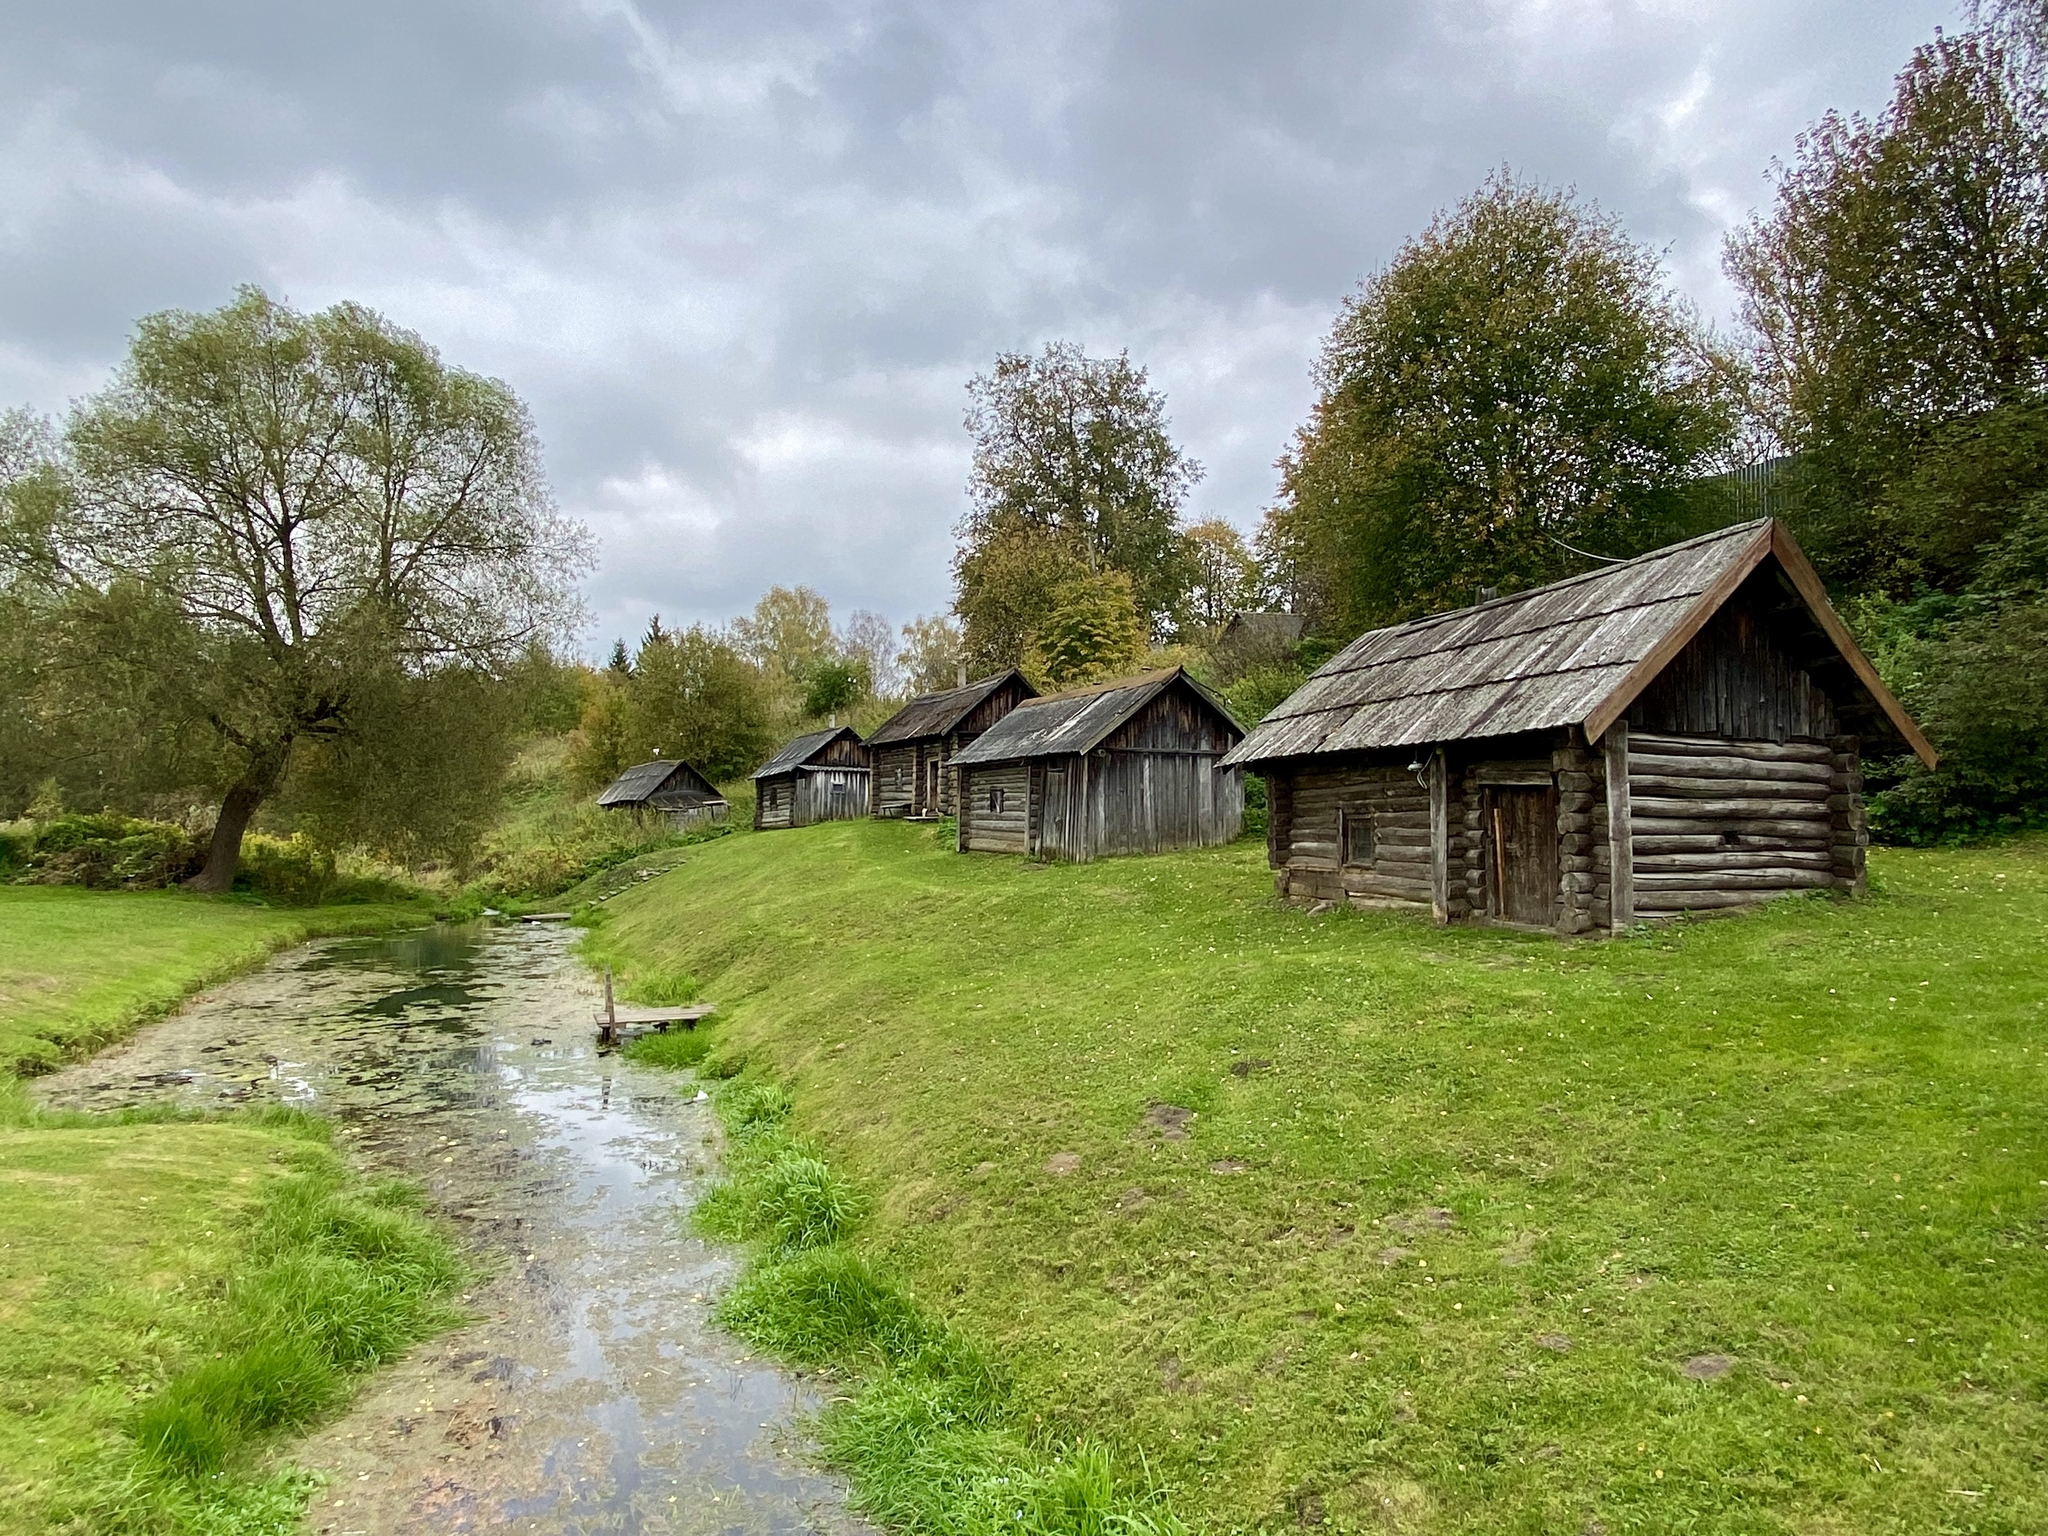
(1302, 807)
(895, 778)
(983, 830)
(1720, 823)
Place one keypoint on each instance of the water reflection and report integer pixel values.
(590, 1395)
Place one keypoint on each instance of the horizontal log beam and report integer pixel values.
(1650, 807)
(1811, 827)
(1712, 746)
(1653, 784)
(1734, 880)
(1709, 842)
(1734, 858)
(1701, 901)
(1728, 767)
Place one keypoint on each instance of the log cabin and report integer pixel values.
(1124, 767)
(819, 776)
(668, 788)
(912, 751)
(1680, 732)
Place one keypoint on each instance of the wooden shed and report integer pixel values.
(669, 788)
(819, 776)
(913, 750)
(1131, 766)
(1678, 732)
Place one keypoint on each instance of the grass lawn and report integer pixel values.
(135, 1257)
(1740, 1226)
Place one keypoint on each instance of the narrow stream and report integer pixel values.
(591, 1394)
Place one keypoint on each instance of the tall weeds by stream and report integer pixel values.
(333, 1277)
(928, 1430)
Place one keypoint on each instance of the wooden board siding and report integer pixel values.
(1153, 802)
(1735, 679)
(831, 794)
(983, 830)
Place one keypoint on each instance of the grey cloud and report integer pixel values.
(741, 258)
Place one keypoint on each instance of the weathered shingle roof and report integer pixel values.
(1576, 652)
(643, 781)
(799, 750)
(934, 714)
(1076, 720)
(1257, 630)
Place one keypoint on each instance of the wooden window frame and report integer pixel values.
(996, 799)
(1357, 818)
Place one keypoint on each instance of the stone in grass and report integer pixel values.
(1228, 1165)
(1555, 1342)
(1708, 1367)
(1428, 1220)
(1063, 1163)
(1168, 1122)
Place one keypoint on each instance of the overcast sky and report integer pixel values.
(741, 257)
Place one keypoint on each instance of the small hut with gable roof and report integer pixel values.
(1129, 766)
(818, 776)
(1679, 732)
(913, 750)
(666, 787)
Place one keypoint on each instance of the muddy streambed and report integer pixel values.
(591, 1393)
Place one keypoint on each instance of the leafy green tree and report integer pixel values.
(1071, 453)
(1007, 585)
(1093, 632)
(835, 686)
(1897, 292)
(694, 696)
(931, 657)
(325, 505)
(1518, 384)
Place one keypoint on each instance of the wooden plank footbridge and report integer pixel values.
(616, 1025)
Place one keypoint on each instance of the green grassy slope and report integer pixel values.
(1453, 1210)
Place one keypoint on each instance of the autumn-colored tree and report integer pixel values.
(931, 657)
(1226, 578)
(1897, 293)
(1094, 631)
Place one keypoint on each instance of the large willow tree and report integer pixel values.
(335, 536)
(1518, 385)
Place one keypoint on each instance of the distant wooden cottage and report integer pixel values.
(1131, 766)
(668, 788)
(1682, 731)
(913, 750)
(819, 776)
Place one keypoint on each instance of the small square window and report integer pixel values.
(995, 800)
(1355, 837)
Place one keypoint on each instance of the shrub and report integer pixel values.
(675, 1049)
(104, 851)
(823, 1306)
(804, 1204)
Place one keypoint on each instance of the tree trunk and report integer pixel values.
(224, 852)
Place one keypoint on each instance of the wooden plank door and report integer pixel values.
(1052, 814)
(1523, 838)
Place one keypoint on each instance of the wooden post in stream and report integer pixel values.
(611, 1017)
